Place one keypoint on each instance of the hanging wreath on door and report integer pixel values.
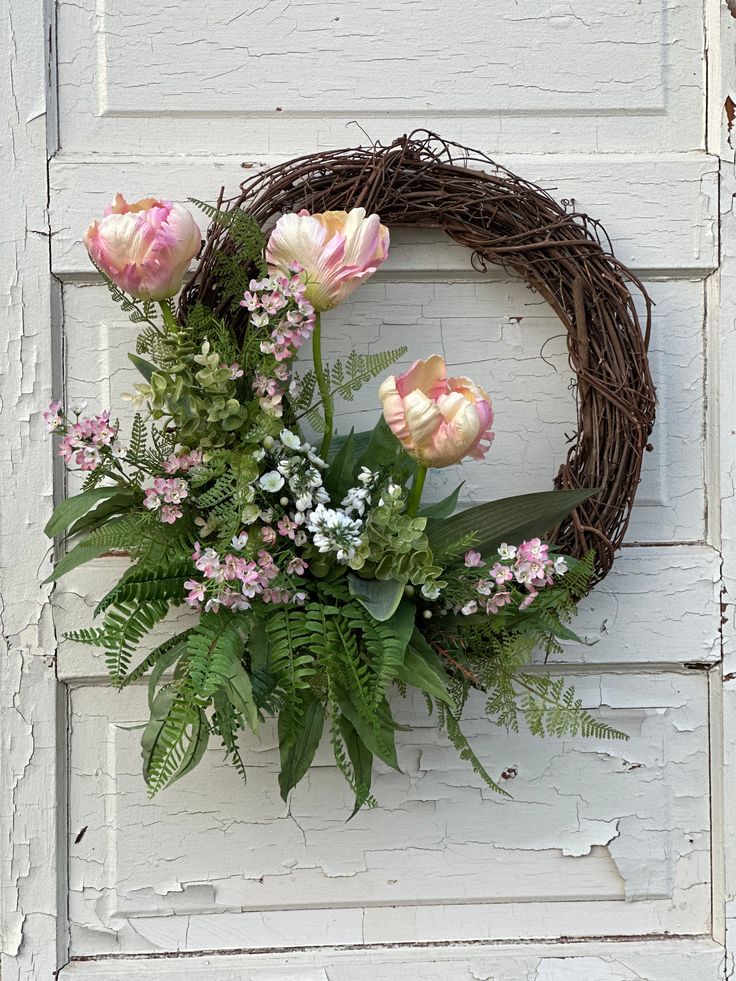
(319, 578)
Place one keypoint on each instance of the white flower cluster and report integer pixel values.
(357, 498)
(335, 531)
(299, 468)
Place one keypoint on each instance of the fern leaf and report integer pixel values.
(212, 647)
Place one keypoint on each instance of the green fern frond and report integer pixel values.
(212, 648)
(464, 749)
(144, 583)
(551, 709)
(173, 741)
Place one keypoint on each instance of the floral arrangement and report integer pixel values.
(317, 579)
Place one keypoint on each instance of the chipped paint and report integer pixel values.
(601, 840)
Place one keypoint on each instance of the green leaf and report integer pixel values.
(361, 760)
(110, 508)
(298, 742)
(145, 367)
(73, 508)
(443, 508)
(423, 669)
(380, 743)
(80, 554)
(380, 597)
(240, 692)
(510, 519)
(160, 708)
(338, 477)
(383, 450)
(169, 656)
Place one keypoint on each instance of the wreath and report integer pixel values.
(318, 577)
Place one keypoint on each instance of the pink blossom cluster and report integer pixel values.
(270, 391)
(279, 302)
(83, 441)
(233, 581)
(165, 497)
(528, 567)
(183, 463)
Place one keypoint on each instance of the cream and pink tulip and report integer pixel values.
(145, 247)
(438, 420)
(337, 251)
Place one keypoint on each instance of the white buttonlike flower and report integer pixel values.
(290, 440)
(271, 482)
(506, 551)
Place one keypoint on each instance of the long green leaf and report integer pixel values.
(443, 508)
(361, 760)
(68, 511)
(511, 519)
(145, 367)
(80, 554)
(380, 597)
(240, 692)
(297, 751)
(339, 475)
(380, 744)
(423, 669)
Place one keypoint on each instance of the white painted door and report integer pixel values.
(608, 863)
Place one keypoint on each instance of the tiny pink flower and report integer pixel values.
(53, 417)
(501, 573)
(170, 513)
(473, 560)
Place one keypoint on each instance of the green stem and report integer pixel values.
(169, 318)
(416, 490)
(324, 388)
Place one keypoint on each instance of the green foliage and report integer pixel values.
(213, 646)
(510, 519)
(123, 628)
(551, 709)
(344, 379)
(143, 583)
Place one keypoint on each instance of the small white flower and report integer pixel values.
(250, 514)
(259, 454)
(79, 407)
(561, 566)
(506, 551)
(367, 476)
(267, 515)
(304, 502)
(239, 542)
(469, 608)
(259, 319)
(271, 482)
(430, 591)
(290, 440)
(119, 451)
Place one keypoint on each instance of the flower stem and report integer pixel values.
(169, 318)
(324, 388)
(416, 490)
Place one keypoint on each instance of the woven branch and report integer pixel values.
(423, 181)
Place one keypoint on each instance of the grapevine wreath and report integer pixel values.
(318, 579)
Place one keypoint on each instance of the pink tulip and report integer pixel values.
(145, 248)
(336, 251)
(437, 419)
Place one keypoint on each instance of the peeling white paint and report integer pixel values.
(599, 104)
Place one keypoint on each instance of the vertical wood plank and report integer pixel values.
(30, 817)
